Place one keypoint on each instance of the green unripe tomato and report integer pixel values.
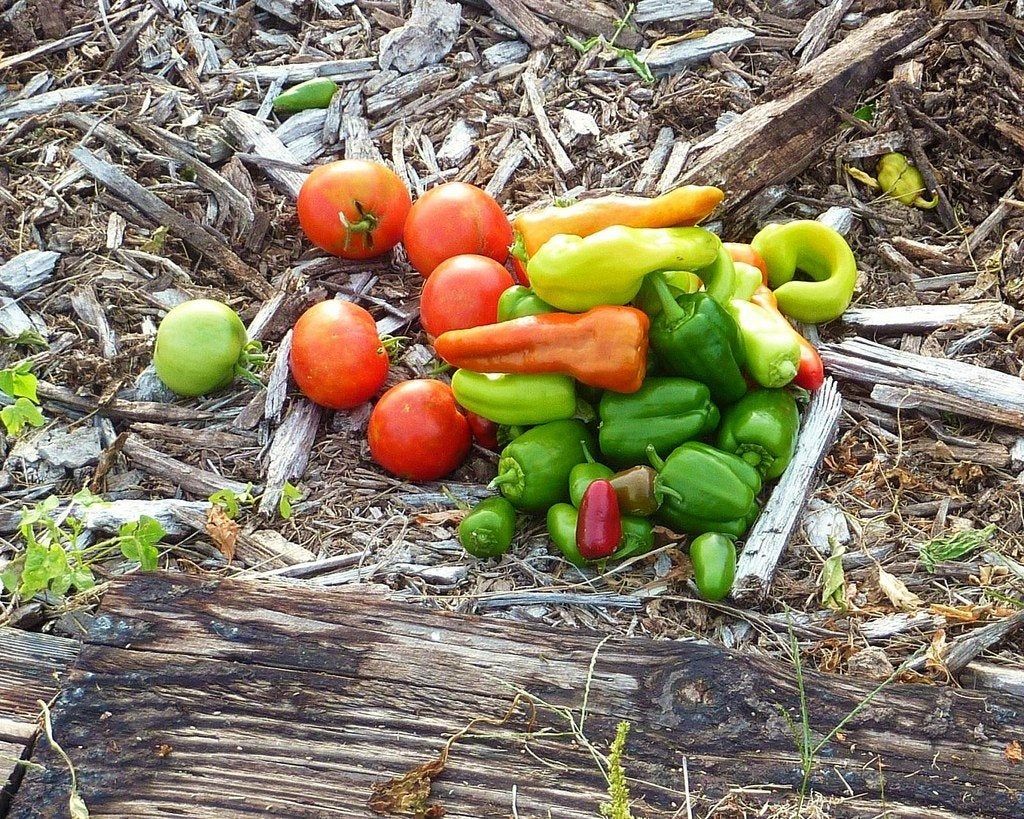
(198, 344)
(714, 565)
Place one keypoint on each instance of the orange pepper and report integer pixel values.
(605, 347)
(810, 372)
(740, 252)
(680, 207)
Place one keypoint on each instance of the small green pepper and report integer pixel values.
(519, 301)
(533, 472)
(762, 429)
(314, 93)
(817, 250)
(514, 398)
(637, 535)
(714, 564)
(583, 475)
(488, 529)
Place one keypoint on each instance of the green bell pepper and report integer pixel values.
(703, 489)
(488, 529)
(714, 564)
(516, 399)
(637, 536)
(576, 273)
(762, 428)
(519, 301)
(664, 412)
(818, 251)
(533, 471)
(695, 337)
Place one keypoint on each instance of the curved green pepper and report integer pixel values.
(519, 301)
(516, 399)
(714, 565)
(576, 273)
(664, 412)
(583, 475)
(821, 253)
(719, 277)
(695, 337)
(533, 471)
(771, 344)
(637, 536)
(314, 93)
(703, 489)
(762, 429)
(488, 529)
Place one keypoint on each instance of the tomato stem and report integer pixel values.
(366, 224)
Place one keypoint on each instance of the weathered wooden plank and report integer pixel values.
(772, 142)
(31, 669)
(223, 698)
(924, 318)
(189, 478)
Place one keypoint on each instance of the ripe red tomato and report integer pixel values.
(453, 219)
(337, 358)
(353, 208)
(417, 432)
(463, 292)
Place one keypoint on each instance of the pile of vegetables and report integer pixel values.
(630, 368)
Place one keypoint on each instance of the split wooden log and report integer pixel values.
(253, 135)
(289, 451)
(778, 520)
(119, 408)
(886, 321)
(195, 438)
(920, 382)
(31, 668)
(772, 142)
(994, 678)
(189, 478)
(196, 236)
(44, 103)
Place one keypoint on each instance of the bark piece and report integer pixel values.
(51, 100)
(657, 11)
(535, 95)
(189, 478)
(360, 68)
(91, 312)
(819, 29)
(253, 135)
(885, 321)
(778, 520)
(289, 451)
(772, 142)
(670, 57)
(27, 271)
(425, 39)
(530, 27)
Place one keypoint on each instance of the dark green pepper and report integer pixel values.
(714, 564)
(634, 487)
(664, 412)
(694, 336)
(488, 529)
(762, 428)
(637, 535)
(519, 301)
(314, 93)
(582, 476)
(533, 472)
(703, 489)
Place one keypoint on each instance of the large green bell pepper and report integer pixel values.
(703, 489)
(576, 273)
(664, 412)
(533, 472)
(762, 428)
(516, 398)
(637, 535)
(695, 337)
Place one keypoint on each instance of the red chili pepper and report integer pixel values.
(484, 432)
(599, 525)
(810, 372)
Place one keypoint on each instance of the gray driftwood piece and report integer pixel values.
(927, 317)
(360, 68)
(44, 103)
(772, 142)
(655, 11)
(191, 479)
(253, 135)
(529, 26)
(928, 383)
(535, 95)
(993, 677)
(194, 235)
(670, 58)
(819, 29)
(778, 520)
(27, 271)
(14, 320)
(289, 451)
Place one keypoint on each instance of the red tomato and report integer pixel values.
(463, 292)
(453, 219)
(417, 432)
(353, 208)
(337, 358)
(740, 252)
(485, 432)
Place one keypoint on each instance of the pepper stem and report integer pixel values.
(656, 460)
(669, 306)
(501, 479)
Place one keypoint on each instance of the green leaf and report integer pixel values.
(833, 579)
(952, 546)
(85, 497)
(583, 46)
(44, 565)
(138, 539)
(226, 499)
(26, 338)
(20, 414)
(11, 575)
(289, 494)
(82, 577)
(155, 243)
(19, 381)
(865, 113)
